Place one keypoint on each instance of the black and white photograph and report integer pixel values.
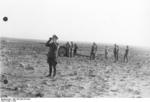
(75, 49)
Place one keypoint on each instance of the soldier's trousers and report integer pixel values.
(106, 56)
(92, 56)
(125, 58)
(52, 65)
(115, 57)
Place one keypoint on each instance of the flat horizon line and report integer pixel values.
(86, 42)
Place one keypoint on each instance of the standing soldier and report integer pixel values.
(106, 52)
(93, 51)
(115, 52)
(126, 54)
(67, 48)
(52, 54)
(75, 49)
(71, 49)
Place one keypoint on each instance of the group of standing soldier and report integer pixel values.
(115, 52)
(71, 49)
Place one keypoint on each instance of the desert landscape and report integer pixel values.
(23, 63)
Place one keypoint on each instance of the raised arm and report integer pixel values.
(47, 43)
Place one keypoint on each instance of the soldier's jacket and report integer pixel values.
(75, 47)
(52, 50)
(94, 49)
(67, 45)
(71, 46)
(115, 50)
(126, 52)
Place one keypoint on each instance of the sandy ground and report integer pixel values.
(24, 64)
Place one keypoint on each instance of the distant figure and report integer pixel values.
(68, 49)
(126, 54)
(71, 49)
(93, 51)
(75, 49)
(115, 52)
(106, 52)
(52, 54)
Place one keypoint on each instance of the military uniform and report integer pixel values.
(106, 53)
(93, 51)
(75, 49)
(68, 49)
(52, 55)
(115, 53)
(71, 49)
(126, 54)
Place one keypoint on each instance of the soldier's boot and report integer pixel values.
(54, 74)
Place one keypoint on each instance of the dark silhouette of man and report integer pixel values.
(106, 52)
(52, 54)
(115, 52)
(93, 51)
(68, 49)
(126, 54)
(71, 49)
(75, 49)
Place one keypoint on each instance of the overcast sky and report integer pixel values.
(105, 21)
